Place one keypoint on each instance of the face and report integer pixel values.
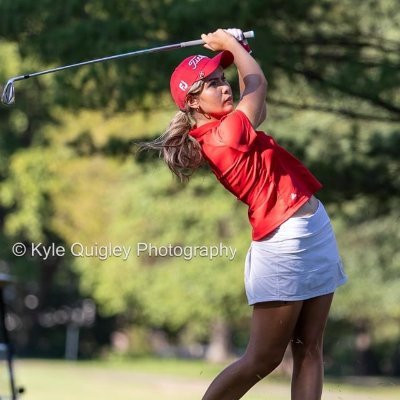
(216, 97)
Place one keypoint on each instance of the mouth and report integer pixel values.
(228, 100)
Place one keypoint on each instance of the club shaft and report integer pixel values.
(8, 96)
(97, 60)
(198, 42)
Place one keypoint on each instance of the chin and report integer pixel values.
(221, 114)
(226, 110)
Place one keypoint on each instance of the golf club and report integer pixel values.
(8, 96)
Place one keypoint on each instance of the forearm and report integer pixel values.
(252, 84)
(249, 70)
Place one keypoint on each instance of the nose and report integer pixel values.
(225, 87)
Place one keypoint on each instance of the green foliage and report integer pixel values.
(26, 191)
(372, 258)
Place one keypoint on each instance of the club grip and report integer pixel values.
(247, 35)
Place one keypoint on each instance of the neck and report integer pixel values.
(202, 119)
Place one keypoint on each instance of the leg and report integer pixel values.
(307, 349)
(272, 327)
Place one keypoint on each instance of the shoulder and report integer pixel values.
(235, 120)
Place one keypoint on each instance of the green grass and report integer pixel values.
(150, 379)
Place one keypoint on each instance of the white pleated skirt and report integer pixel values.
(298, 261)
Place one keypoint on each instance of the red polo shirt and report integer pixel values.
(259, 172)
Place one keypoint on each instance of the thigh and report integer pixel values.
(312, 319)
(272, 326)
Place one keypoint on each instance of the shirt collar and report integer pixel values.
(200, 131)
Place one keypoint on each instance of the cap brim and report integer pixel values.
(223, 59)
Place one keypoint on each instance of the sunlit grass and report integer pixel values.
(148, 379)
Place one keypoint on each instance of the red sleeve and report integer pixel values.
(236, 131)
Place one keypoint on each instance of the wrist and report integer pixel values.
(232, 44)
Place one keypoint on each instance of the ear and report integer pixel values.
(193, 101)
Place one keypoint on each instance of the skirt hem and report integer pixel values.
(308, 296)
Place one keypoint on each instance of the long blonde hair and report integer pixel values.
(180, 151)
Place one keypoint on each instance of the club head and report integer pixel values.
(8, 96)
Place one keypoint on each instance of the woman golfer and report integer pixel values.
(292, 267)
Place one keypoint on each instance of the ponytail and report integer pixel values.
(180, 151)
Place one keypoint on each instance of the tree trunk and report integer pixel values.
(219, 349)
(366, 363)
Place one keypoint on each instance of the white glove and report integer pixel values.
(236, 33)
(239, 36)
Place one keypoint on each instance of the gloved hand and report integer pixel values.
(238, 35)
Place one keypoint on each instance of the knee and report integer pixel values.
(310, 349)
(260, 364)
